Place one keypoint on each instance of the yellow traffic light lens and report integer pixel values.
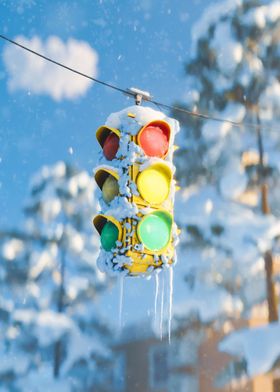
(110, 189)
(107, 180)
(154, 183)
(154, 230)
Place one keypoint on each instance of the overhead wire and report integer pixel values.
(128, 92)
(205, 116)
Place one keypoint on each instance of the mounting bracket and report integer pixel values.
(139, 95)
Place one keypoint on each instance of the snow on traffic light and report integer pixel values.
(135, 175)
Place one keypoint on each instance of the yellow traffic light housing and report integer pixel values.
(103, 132)
(136, 227)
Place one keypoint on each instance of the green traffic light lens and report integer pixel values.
(154, 230)
(109, 236)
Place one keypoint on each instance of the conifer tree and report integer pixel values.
(52, 282)
(230, 175)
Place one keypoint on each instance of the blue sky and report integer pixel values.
(143, 43)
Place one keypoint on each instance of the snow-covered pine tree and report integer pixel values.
(13, 276)
(233, 74)
(54, 325)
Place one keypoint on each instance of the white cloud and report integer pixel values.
(38, 76)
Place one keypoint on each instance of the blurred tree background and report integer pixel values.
(49, 283)
(231, 174)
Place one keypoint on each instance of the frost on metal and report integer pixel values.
(129, 122)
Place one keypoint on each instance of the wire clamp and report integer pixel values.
(139, 95)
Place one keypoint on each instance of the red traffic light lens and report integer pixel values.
(154, 140)
(111, 146)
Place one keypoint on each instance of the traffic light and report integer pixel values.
(136, 179)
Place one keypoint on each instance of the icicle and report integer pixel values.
(170, 302)
(156, 301)
(161, 307)
(121, 303)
